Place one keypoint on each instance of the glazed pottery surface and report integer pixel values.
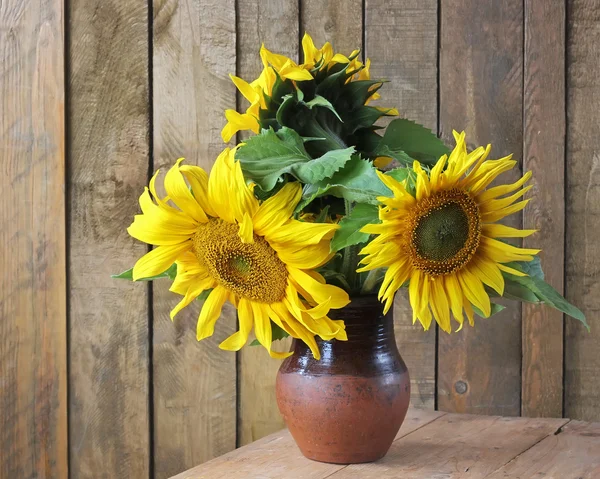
(348, 407)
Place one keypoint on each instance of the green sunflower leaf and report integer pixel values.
(412, 139)
(356, 182)
(323, 102)
(349, 232)
(400, 156)
(323, 167)
(359, 91)
(533, 289)
(496, 308)
(532, 268)
(364, 117)
(266, 157)
(170, 273)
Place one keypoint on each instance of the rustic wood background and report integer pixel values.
(95, 380)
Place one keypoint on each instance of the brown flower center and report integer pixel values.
(444, 232)
(250, 270)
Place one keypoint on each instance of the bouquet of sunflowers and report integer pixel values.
(322, 205)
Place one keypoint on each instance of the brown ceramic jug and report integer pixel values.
(348, 407)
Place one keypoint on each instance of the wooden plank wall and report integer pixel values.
(95, 379)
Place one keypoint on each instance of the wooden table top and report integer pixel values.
(434, 445)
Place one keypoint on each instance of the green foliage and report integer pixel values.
(170, 273)
(496, 308)
(357, 182)
(405, 139)
(319, 101)
(330, 108)
(265, 158)
(276, 333)
(533, 289)
(349, 232)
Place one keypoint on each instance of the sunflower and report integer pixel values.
(443, 237)
(252, 254)
(260, 91)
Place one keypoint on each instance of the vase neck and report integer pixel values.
(365, 321)
(370, 334)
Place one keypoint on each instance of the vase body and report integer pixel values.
(348, 407)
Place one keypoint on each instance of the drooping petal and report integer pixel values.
(440, 304)
(159, 260)
(318, 291)
(237, 340)
(211, 310)
(196, 288)
(473, 290)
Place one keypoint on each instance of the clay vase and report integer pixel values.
(348, 407)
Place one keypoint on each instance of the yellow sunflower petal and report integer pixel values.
(241, 195)
(474, 291)
(504, 252)
(489, 273)
(498, 204)
(319, 292)
(311, 53)
(305, 257)
(237, 340)
(455, 297)
(246, 231)
(219, 187)
(423, 186)
(501, 190)
(211, 310)
(180, 194)
(158, 260)
(493, 216)
(469, 311)
(508, 269)
(153, 230)
(496, 230)
(244, 88)
(262, 325)
(195, 289)
(301, 233)
(436, 172)
(198, 180)
(299, 331)
(278, 209)
(440, 305)
(414, 292)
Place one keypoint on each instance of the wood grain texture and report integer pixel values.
(582, 361)
(544, 155)
(109, 114)
(333, 21)
(456, 446)
(572, 452)
(274, 23)
(277, 456)
(33, 350)
(194, 50)
(401, 41)
(481, 91)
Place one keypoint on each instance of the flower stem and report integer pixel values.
(350, 259)
(371, 281)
